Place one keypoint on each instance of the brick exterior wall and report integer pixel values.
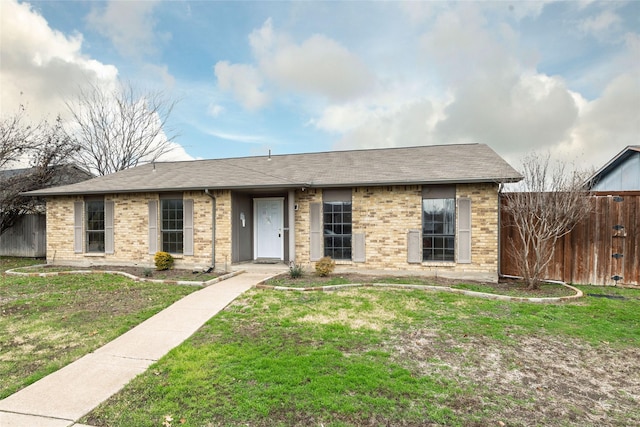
(302, 224)
(386, 214)
(131, 225)
(223, 230)
(383, 214)
(60, 231)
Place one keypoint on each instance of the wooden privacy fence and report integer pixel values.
(27, 237)
(604, 245)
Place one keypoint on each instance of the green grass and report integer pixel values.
(46, 323)
(149, 273)
(8, 263)
(333, 359)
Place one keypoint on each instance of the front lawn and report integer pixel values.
(395, 357)
(47, 322)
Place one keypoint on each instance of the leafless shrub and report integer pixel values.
(548, 205)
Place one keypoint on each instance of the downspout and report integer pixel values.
(213, 228)
(500, 189)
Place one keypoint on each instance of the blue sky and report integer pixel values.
(293, 77)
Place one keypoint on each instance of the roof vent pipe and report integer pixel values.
(269, 155)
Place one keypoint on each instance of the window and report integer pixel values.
(336, 209)
(95, 225)
(438, 224)
(172, 225)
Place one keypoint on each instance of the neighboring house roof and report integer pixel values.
(622, 173)
(393, 166)
(64, 174)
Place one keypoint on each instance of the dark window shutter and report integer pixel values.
(109, 207)
(464, 231)
(153, 227)
(315, 232)
(188, 227)
(77, 226)
(414, 246)
(358, 248)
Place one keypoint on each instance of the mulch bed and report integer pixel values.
(142, 272)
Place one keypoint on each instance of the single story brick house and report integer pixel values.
(427, 209)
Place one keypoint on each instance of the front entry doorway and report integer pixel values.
(268, 215)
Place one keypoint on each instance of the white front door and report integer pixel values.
(269, 224)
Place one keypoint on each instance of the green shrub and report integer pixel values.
(147, 272)
(325, 266)
(296, 271)
(163, 260)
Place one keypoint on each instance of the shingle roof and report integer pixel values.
(392, 166)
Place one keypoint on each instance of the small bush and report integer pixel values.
(147, 272)
(325, 266)
(163, 260)
(296, 271)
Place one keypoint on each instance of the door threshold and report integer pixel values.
(268, 261)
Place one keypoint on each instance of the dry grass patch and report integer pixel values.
(46, 323)
(536, 380)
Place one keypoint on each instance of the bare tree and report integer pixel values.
(121, 128)
(16, 137)
(548, 205)
(45, 146)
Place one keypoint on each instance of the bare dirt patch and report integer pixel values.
(142, 272)
(503, 287)
(534, 380)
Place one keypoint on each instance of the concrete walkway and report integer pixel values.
(63, 397)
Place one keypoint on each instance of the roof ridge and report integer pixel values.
(310, 153)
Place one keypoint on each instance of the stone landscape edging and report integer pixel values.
(203, 284)
(329, 288)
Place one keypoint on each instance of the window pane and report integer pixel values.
(95, 241)
(94, 226)
(337, 229)
(438, 229)
(172, 225)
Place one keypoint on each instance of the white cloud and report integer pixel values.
(215, 110)
(244, 82)
(460, 46)
(237, 137)
(406, 125)
(609, 123)
(129, 25)
(490, 93)
(42, 67)
(508, 114)
(177, 153)
(602, 23)
(318, 66)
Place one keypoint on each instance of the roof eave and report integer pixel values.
(37, 193)
(611, 164)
